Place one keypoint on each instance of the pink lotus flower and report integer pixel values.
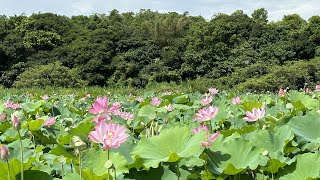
(317, 88)
(155, 101)
(4, 152)
(213, 91)
(256, 114)
(139, 99)
(200, 128)
(115, 108)
(169, 107)
(88, 96)
(236, 100)
(16, 123)
(10, 104)
(3, 116)
(100, 107)
(16, 106)
(210, 138)
(206, 100)
(281, 92)
(127, 116)
(206, 114)
(49, 122)
(110, 135)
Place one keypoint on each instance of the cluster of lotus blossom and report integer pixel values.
(282, 92)
(204, 115)
(10, 104)
(110, 135)
(103, 113)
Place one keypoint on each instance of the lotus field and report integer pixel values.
(172, 135)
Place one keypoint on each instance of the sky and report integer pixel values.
(206, 8)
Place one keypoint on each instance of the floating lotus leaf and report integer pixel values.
(307, 126)
(307, 167)
(170, 146)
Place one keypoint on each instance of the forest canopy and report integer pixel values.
(134, 49)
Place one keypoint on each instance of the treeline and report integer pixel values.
(134, 49)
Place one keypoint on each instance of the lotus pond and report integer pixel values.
(170, 135)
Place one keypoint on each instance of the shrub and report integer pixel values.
(53, 74)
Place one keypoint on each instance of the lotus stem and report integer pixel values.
(211, 131)
(108, 160)
(8, 170)
(71, 166)
(21, 152)
(178, 171)
(80, 173)
(62, 170)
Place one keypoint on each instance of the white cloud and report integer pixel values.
(82, 8)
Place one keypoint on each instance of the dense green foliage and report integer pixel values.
(136, 49)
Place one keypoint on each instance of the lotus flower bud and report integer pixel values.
(16, 122)
(4, 153)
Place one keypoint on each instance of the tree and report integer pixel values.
(53, 74)
(260, 15)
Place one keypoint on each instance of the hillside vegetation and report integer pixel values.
(136, 49)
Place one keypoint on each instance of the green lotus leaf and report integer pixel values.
(170, 146)
(59, 150)
(95, 160)
(35, 124)
(45, 137)
(4, 126)
(27, 151)
(241, 130)
(71, 176)
(273, 142)
(31, 107)
(249, 105)
(75, 110)
(34, 174)
(88, 174)
(305, 99)
(181, 99)
(14, 165)
(147, 111)
(307, 167)
(81, 130)
(307, 126)
(273, 166)
(153, 173)
(182, 107)
(234, 155)
(9, 135)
